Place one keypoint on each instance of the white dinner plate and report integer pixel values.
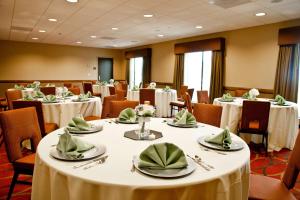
(235, 145)
(56, 101)
(82, 100)
(225, 100)
(98, 150)
(167, 173)
(92, 130)
(172, 123)
(126, 122)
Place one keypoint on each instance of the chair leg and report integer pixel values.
(171, 111)
(267, 143)
(12, 185)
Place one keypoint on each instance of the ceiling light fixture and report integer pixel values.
(72, 1)
(35, 38)
(115, 28)
(93, 36)
(78, 42)
(160, 35)
(148, 15)
(42, 31)
(52, 20)
(260, 14)
(198, 27)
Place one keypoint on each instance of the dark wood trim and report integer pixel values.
(265, 91)
(43, 81)
(213, 44)
(138, 53)
(287, 36)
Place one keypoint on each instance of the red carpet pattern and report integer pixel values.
(272, 166)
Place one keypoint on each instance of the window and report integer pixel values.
(197, 70)
(135, 71)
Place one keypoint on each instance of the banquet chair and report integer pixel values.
(147, 94)
(68, 85)
(202, 96)
(27, 128)
(45, 128)
(75, 90)
(1, 137)
(106, 105)
(178, 105)
(255, 119)
(240, 92)
(117, 106)
(208, 114)
(12, 94)
(121, 94)
(88, 87)
(277, 189)
(112, 90)
(3, 104)
(48, 90)
(182, 91)
(191, 92)
(118, 86)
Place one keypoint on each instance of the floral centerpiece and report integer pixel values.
(253, 93)
(111, 81)
(144, 113)
(152, 85)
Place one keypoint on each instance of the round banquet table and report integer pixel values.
(282, 127)
(103, 89)
(62, 112)
(162, 100)
(54, 179)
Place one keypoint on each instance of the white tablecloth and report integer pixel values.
(282, 128)
(103, 89)
(61, 113)
(162, 100)
(54, 179)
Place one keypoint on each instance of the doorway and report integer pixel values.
(105, 69)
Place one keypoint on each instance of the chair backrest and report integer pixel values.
(183, 90)
(118, 86)
(75, 90)
(187, 101)
(38, 108)
(117, 106)
(48, 90)
(255, 116)
(106, 106)
(202, 96)
(87, 87)
(240, 92)
(17, 126)
(208, 114)
(191, 92)
(147, 95)
(112, 90)
(12, 94)
(121, 94)
(124, 86)
(68, 85)
(292, 170)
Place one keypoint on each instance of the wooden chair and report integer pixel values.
(191, 92)
(202, 96)
(68, 85)
(117, 106)
(88, 87)
(277, 189)
(112, 90)
(27, 128)
(208, 114)
(45, 128)
(178, 105)
(182, 91)
(1, 137)
(48, 90)
(255, 119)
(121, 94)
(147, 95)
(75, 90)
(106, 106)
(240, 92)
(12, 94)
(3, 104)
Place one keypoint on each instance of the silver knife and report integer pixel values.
(90, 162)
(96, 163)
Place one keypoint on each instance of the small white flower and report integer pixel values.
(253, 92)
(111, 81)
(152, 85)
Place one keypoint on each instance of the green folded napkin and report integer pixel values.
(49, 98)
(39, 94)
(103, 83)
(89, 94)
(280, 100)
(162, 156)
(128, 115)
(222, 138)
(227, 96)
(246, 95)
(82, 97)
(19, 87)
(72, 147)
(184, 117)
(28, 97)
(68, 94)
(167, 89)
(78, 124)
(135, 88)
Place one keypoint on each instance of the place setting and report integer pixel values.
(183, 119)
(79, 126)
(50, 99)
(226, 98)
(81, 98)
(279, 101)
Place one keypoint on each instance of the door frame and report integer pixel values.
(112, 59)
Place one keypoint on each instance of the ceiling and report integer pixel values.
(21, 20)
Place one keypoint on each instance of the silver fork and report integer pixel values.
(200, 160)
(218, 152)
(199, 163)
(96, 163)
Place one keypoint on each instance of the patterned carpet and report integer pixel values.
(272, 166)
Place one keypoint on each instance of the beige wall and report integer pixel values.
(251, 56)
(31, 61)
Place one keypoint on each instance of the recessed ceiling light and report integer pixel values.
(52, 20)
(35, 38)
(199, 27)
(114, 28)
(78, 42)
(72, 1)
(42, 31)
(211, 2)
(160, 35)
(148, 15)
(260, 14)
(93, 36)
